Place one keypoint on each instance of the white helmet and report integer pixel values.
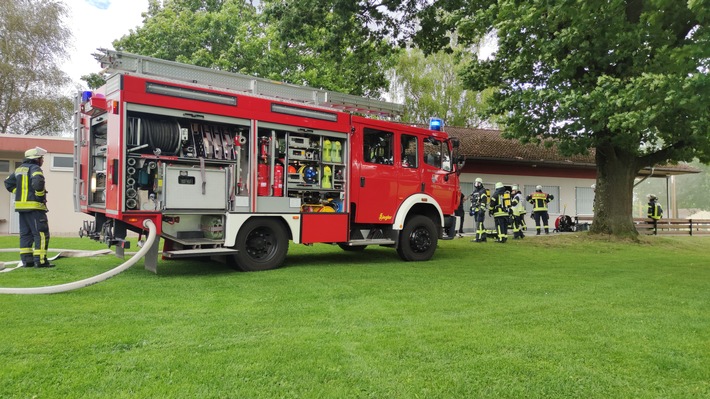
(515, 187)
(652, 197)
(594, 186)
(479, 180)
(538, 187)
(35, 153)
(499, 185)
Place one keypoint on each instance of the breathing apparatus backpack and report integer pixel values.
(506, 202)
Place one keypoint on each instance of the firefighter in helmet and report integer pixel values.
(27, 184)
(502, 209)
(479, 205)
(517, 201)
(539, 201)
(654, 209)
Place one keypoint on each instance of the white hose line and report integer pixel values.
(54, 289)
(52, 250)
(65, 253)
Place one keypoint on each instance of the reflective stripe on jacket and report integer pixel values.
(539, 201)
(27, 183)
(518, 206)
(655, 211)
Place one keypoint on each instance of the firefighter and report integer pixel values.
(479, 205)
(517, 201)
(539, 201)
(501, 208)
(27, 183)
(654, 209)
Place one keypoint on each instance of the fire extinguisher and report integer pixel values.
(262, 172)
(278, 180)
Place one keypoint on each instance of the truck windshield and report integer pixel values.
(437, 154)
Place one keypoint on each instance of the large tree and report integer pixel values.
(33, 41)
(625, 78)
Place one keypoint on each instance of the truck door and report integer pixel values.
(408, 164)
(436, 173)
(376, 184)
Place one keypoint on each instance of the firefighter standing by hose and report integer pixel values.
(539, 201)
(27, 183)
(519, 212)
(479, 205)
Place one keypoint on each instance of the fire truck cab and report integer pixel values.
(231, 166)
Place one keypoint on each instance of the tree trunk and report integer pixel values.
(616, 171)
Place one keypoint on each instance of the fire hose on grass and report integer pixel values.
(54, 289)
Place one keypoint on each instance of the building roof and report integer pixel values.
(14, 143)
(489, 145)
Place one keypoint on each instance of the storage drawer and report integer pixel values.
(183, 188)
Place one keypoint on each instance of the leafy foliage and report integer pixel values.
(337, 45)
(626, 78)
(32, 42)
(430, 86)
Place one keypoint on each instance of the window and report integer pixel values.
(377, 146)
(62, 162)
(4, 166)
(436, 153)
(584, 197)
(553, 206)
(409, 151)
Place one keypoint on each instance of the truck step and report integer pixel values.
(191, 253)
(378, 241)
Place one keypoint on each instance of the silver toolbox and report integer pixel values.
(183, 188)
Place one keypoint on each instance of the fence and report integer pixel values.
(691, 227)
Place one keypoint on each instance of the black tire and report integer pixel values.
(418, 239)
(262, 244)
(352, 248)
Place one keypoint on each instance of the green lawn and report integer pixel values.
(564, 316)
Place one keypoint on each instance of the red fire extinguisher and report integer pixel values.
(262, 172)
(278, 180)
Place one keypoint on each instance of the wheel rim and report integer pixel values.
(260, 244)
(420, 240)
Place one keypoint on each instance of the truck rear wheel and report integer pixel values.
(262, 244)
(418, 239)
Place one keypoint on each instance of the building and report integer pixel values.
(58, 170)
(493, 158)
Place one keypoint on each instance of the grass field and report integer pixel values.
(564, 316)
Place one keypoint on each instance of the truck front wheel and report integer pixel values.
(262, 244)
(418, 239)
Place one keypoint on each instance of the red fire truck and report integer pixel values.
(227, 165)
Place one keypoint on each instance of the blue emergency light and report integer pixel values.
(436, 124)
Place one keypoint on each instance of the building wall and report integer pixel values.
(63, 221)
(567, 179)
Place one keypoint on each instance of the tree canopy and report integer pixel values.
(627, 79)
(32, 43)
(431, 86)
(332, 44)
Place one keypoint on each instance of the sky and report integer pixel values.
(95, 24)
